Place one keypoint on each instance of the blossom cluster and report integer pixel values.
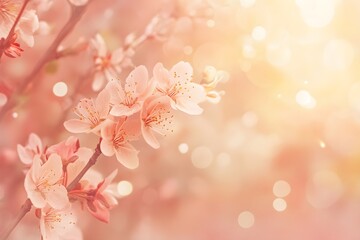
(58, 179)
(49, 173)
(140, 106)
(119, 114)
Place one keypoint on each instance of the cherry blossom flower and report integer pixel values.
(8, 12)
(92, 114)
(107, 64)
(116, 137)
(156, 116)
(159, 27)
(96, 195)
(103, 199)
(57, 224)
(27, 26)
(74, 157)
(42, 183)
(176, 84)
(128, 100)
(28, 152)
(65, 149)
(211, 78)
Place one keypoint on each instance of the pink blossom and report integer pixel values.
(65, 149)
(103, 199)
(116, 137)
(10, 47)
(74, 157)
(176, 84)
(211, 78)
(156, 117)
(57, 224)
(92, 114)
(8, 12)
(28, 152)
(27, 26)
(97, 196)
(107, 64)
(42, 183)
(128, 100)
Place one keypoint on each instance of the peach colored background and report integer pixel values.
(291, 112)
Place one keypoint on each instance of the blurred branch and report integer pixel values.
(76, 13)
(25, 208)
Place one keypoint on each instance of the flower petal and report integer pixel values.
(181, 72)
(99, 45)
(35, 141)
(99, 81)
(116, 91)
(57, 196)
(136, 82)
(101, 213)
(35, 196)
(27, 25)
(107, 130)
(161, 76)
(123, 110)
(51, 170)
(102, 103)
(77, 126)
(196, 92)
(117, 56)
(149, 137)
(127, 156)
(66, 221)
(107, 148)
(107, 181)
(36, 168)
(188, 107)
(24, 155)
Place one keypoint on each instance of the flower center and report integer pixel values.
(160, 119)
(86, 111)
(8, 10)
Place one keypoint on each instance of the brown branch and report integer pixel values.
(26, 207)
(91, 162)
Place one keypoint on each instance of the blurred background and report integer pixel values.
(277, 158)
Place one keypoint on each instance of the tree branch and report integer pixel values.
(76, 13)
(25, 208)
(91, 162)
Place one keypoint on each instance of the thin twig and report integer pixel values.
(25, 208)
(90, 163)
